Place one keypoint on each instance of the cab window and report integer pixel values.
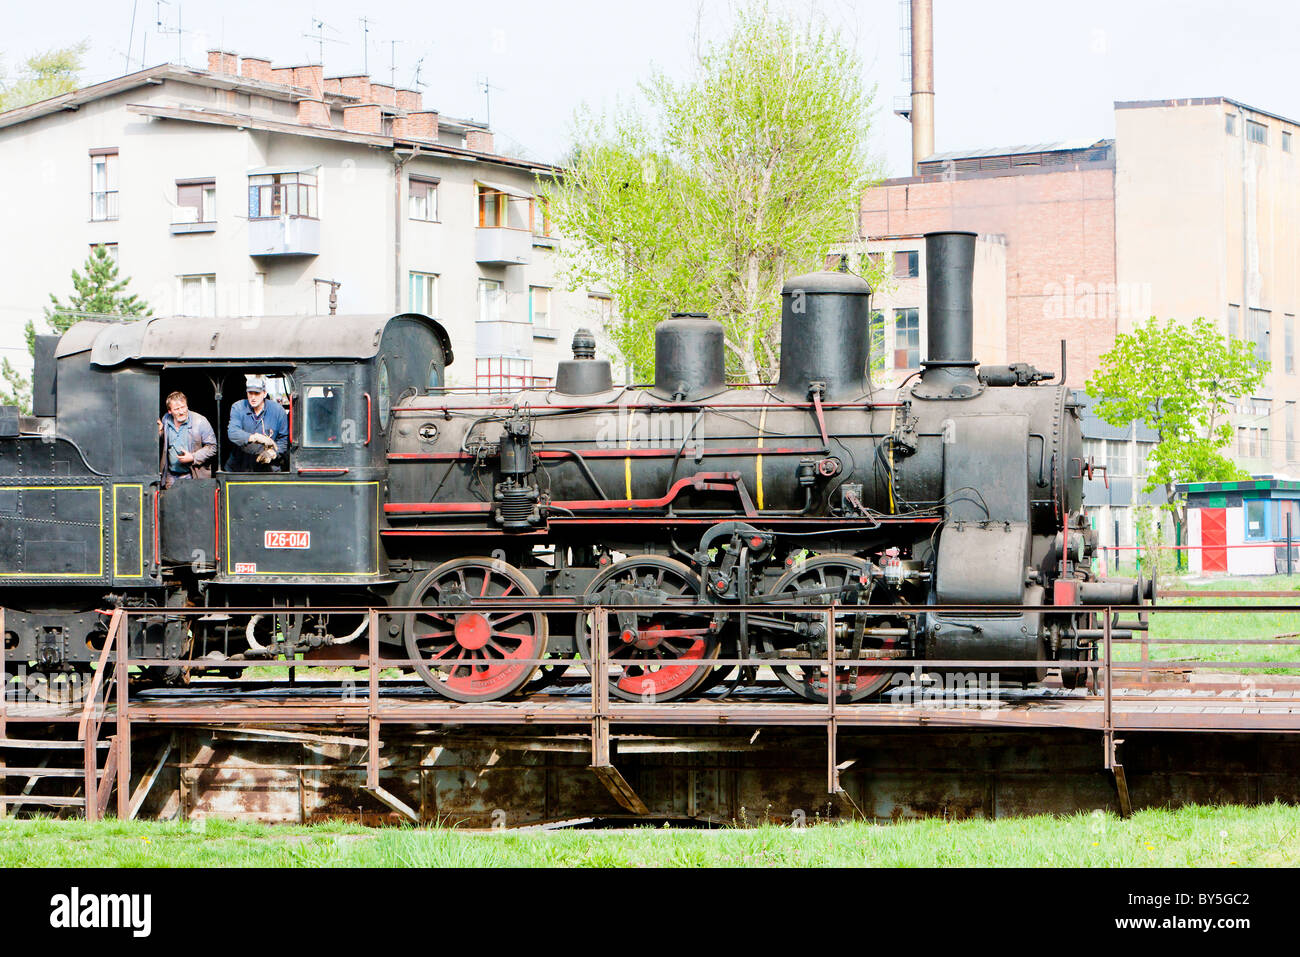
(323, 423)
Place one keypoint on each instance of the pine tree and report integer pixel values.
(98, 294)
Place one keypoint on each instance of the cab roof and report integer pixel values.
(252, 338)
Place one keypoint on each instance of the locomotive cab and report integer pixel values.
(85, 511)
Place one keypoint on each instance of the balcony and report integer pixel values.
(501, 337)
(502, 246)
(284, 236)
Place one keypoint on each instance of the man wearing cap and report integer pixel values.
(258, 431)
(190, 444)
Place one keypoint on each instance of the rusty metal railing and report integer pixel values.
(597, 711)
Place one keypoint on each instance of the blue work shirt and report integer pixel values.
(244, 422)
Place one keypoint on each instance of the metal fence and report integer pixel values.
(108, 702)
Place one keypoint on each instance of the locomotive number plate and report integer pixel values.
(273, 539)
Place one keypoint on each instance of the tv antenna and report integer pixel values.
(179, 29)
(417, 83)
(320, 26)
(485, 84)
(392, 62)
(365, 43)
(130, 42)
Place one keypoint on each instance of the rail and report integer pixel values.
(596, 710)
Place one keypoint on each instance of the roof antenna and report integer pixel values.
(320, 26)
(179, 29)
(365, 43)
(130, 40)
(487, 87)
(392, 62)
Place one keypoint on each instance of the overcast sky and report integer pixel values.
(1006, 71)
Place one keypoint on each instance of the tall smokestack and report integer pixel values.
(950, 316)
(922, 82)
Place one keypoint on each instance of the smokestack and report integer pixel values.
(950, 317)
(922, 82)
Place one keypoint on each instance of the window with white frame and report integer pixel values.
(539, 306)
(1119, 459)
(424, 293)
(423, 198)
(907, 338)
(110, 249)
(541, 216)
(490, 300)
(198, 295)
(282, 194)
(603, 307)
(1257, 331)
(103, 183)
(196, 201)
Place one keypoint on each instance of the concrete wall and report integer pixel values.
(1181, 235)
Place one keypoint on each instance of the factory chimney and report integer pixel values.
(922, 113)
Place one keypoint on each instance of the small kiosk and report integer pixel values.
(1243, 528)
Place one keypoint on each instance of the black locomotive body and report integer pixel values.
(964, 488)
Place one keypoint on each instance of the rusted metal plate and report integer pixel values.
(892, 775)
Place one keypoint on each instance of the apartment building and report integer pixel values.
(249, 189)
(1207, 198)
(1191, 210)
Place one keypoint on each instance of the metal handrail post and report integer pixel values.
(372, 711)
(123, 742)
(832, 692)
(1107, 678)
(600, 689)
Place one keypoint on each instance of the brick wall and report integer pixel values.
(1060, 234)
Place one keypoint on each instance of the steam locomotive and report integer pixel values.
(962, 488)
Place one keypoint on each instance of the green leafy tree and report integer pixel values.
(98, 293)
(1179, 380)
(715, 190)
(15, 388)
(44, 75)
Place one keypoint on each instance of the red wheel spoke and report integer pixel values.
(496, 623)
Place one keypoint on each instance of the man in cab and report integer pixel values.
(258, 431)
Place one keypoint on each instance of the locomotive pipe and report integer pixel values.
(950, 316)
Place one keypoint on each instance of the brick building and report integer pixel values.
(1192, 210)
(1053, 208)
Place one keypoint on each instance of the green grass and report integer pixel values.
(1189, 837)
(1228, 627)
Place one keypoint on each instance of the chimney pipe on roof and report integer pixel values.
(256, 68)
(922, 82)
(480, 141)
(223, 61)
